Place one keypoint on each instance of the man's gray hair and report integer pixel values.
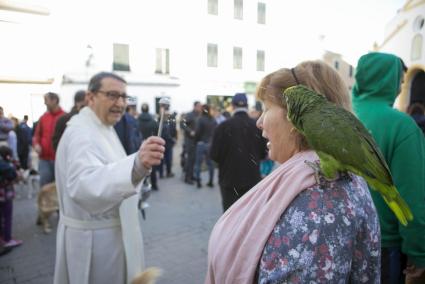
(96, 81)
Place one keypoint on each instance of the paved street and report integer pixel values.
(176, 232)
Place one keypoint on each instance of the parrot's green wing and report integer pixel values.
(344, 144)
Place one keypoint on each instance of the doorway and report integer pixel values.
(417, 88)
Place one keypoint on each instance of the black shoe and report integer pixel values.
(188, 181)
(199, 184)
(210, 184)
(4, 250)
(170, 175)
(155, 187)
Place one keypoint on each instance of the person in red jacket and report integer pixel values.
(42, 140)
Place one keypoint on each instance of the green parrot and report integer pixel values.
(342, 144)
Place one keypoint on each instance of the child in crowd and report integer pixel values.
(8, 175)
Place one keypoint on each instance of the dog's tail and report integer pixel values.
(148, 276)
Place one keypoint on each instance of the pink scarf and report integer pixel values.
(239, 236)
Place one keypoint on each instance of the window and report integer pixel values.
(261, 13)
(260, 60)
(416, 52)
(213, 7)
(350, 72)
(238, 9)
(162, 61)
(237, 57)
(336, 64)
(121, 57)
(212, 54)
(418, 23)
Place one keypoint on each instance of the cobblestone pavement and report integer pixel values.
(176, 232)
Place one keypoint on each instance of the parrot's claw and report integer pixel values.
(314, 165)
(316, 169)
(320, 177)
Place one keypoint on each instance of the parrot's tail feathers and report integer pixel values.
(148, 276)
(399, 207)
(393, 199)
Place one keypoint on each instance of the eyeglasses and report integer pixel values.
(114, 95)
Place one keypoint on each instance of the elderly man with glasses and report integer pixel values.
(99, 238)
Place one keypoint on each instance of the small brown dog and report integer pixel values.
(47, 201)
(148, 276)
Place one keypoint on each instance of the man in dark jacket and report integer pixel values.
(24, 137)
(169, 134)
(203, 135)
(148, 127)
(238, 148)
(188, 126)
(128, 132)
(79, 103)
(147, 123)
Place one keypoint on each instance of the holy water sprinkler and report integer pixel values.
(163, 104)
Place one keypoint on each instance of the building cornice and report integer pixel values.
(391, 35)
(25, 80)
(411, 4)
(23, 7)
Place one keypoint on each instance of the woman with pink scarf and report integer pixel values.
(295, 226)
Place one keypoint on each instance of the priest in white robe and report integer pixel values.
(99, 238)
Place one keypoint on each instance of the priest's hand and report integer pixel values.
(151, 151)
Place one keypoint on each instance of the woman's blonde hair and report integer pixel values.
(317, 75)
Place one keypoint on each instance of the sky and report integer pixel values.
(347, 27)
(308, 27)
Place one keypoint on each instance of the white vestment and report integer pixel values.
(99, 239)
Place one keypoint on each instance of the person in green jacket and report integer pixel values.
(378, 82)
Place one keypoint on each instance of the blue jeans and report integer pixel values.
(46, 169)
(202, 151)
(393, 262)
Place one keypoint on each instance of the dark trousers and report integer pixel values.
(230, 195)
(190, 161)
(23, 160)
(6, 209)
(167, 161)
(393, 262)
(153, 176)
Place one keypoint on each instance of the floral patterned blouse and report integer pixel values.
(328, 234)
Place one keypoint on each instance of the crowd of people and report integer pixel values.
(283, 221)
(15, 144)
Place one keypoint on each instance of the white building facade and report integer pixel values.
(186, 50)
(189, 50)
(344, 69)
(200, 49)
(404, 36)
